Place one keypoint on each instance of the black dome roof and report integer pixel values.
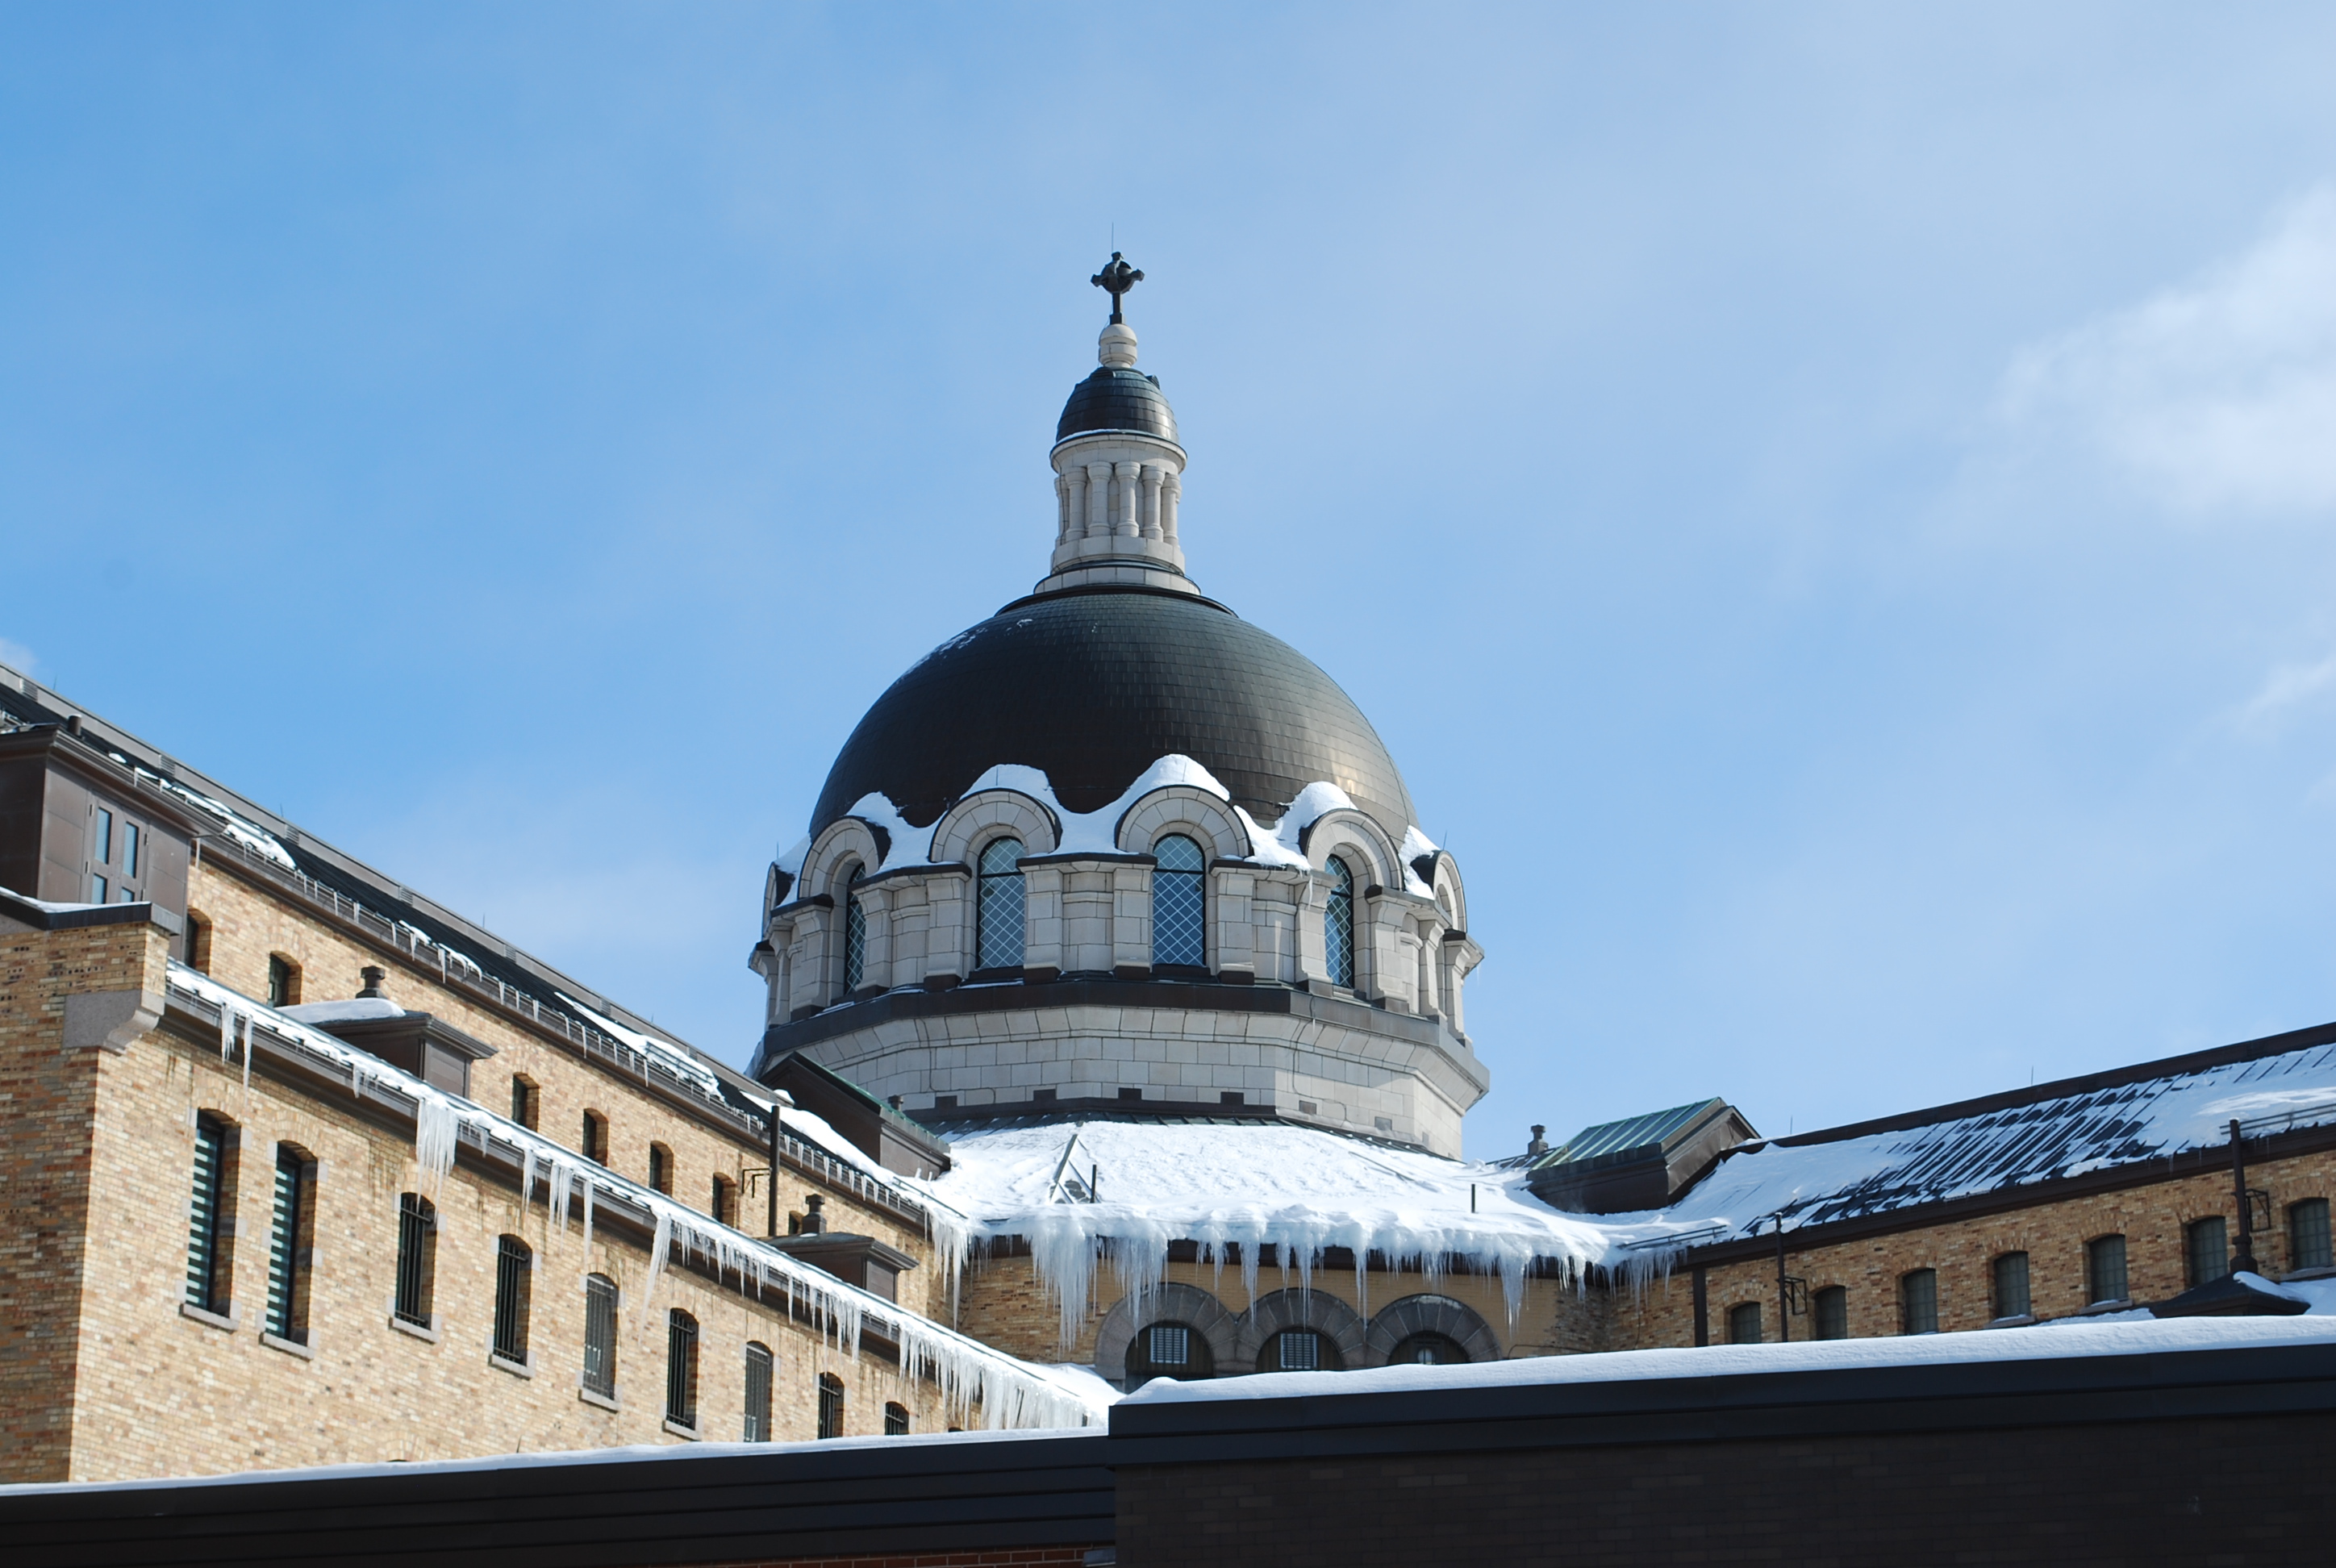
(1092, 687)
(1116, 399)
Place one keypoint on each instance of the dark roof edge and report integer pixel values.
(29, 911)
(1179, 595)
(2061, 1088)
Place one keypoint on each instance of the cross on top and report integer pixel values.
(1117, 277)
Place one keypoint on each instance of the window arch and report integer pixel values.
(831, 1405)
(1918, 1301)
(417, 1258)
(1338, 925)
(1830, 1306)
(515, 1298)
(2105, 1270)
(2206, 1249)
(681, 1368)
(1169, 1350)
(2008, 1276)
(1744, 1323)
(601, 1335)
(855, 933)
(1179, 903)
(198, 941)
(291, 1243)
(997, 906)
(210, 1215)
(896, 1420)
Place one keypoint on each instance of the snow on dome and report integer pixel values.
(1295, 1191)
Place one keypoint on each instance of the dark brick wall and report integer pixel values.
(2252, 1490)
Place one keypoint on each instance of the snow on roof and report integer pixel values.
(2153, 1337)
(1096, 832)
(680, 1058)
(1010, 1391)
(348, 1011)
(1295, 1191)
(1809, 1184)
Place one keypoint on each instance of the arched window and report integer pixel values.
(681, 1368)
(661, 1168)
(998, 907)
(1428, 1350)
(1338, 925)
(1830, 1306)
(2105, 1270)
(1168, 1350)
(198, 941)
(1744, 1323)
(1179, 903)
(1918, 1301)
(2307, 1234)
(417, 1258)
(527, 1101)
(855, 935)
(1301, 1350)
(758, 1393)
(2009, 1276)
(896, 1420)
(291, 1243)
(2206, 1249)
(211, 1214)
(601, 1335)
(831, 1405)
(514, 1295)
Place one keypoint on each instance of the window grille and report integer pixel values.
(206, 1276)
(831, 1405)
(681, 1368)
(1179, 903)
(1299, 1351)
(2206, 1249)
(601, 1335)
(2105, 1270)
(896, 1420)
(1830, 1306)
(998, 907)
(758, 1394)
(2012, 1299)
(514, 1293)
(417, 1248)
(1918, 1301)
(855, 936)
(1338, 925)
(1169, 1345)
(287, 1249)
(2307, 1234)
(1744, 1323)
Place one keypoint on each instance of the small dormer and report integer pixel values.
(428, 1047)
(1638, 1163)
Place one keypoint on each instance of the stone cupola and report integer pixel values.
(1118, 469)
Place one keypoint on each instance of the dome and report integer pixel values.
(1092, 688)
(1116, 398)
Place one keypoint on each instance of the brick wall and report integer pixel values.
(2052, 1233)
(161, 1392)
(50, 1096)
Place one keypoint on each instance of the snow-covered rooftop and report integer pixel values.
(1809, 1183)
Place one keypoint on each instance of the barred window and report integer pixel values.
(2206, 1249)
(1918, 1301)
(896, 1420)
(1170, 1345)
(1298, 1350)
(2105, 1270)
(211, 1244)
(998, 907)
(2307, 1234)
(855, 935)
(514, 1296)
(1169, 1350)
(417, 1258)
(601, 1335)
(1179, 903)
(681, 1368)
(1744, 1323)
(1338, 925)
(831, 1405)
(2011, 1281)
(1830, 1306)
(758, 1394)
(291, 1241)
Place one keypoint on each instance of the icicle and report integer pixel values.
(249, 1025)
(587, 1177)
(526, 1183)
(228, 1016)
(657, 1252)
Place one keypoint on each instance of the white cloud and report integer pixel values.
(2284, 691)
(2220, 395)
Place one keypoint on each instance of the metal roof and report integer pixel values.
(1630, 1132)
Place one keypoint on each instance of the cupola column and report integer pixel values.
(1129, 523)
(1098, 500)
(1152, 476)
(1172, 490)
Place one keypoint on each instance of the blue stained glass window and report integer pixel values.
(998, 908)
(1179, 903)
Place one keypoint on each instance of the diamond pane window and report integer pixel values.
(1179, 904)
(997, 911)
(1338, 924)
(855, 936)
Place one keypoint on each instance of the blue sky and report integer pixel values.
(1832, 508)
